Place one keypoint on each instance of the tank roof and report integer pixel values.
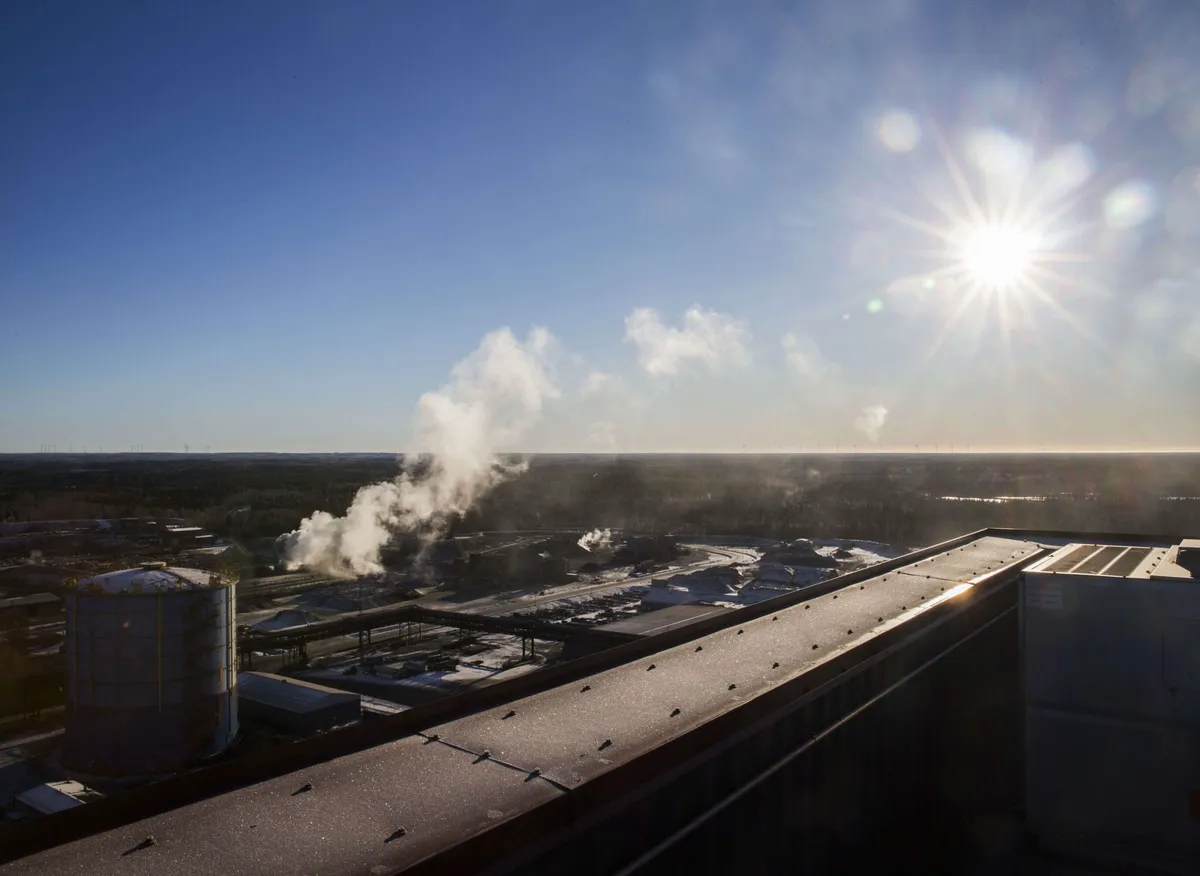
(156, 577)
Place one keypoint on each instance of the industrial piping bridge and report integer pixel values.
(294, 641)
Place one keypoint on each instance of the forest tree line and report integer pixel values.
(906, 500)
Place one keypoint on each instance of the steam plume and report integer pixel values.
(493, 397)
(597, 539)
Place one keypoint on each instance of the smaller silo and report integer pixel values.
(151, 670)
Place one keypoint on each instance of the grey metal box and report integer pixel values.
(1111, 679)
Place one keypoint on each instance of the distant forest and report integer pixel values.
(899, 499)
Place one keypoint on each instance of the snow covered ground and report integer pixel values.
(755, 582)
(862, 553)
(500, 660)
(286, 619)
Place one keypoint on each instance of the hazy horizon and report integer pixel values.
(816, 451)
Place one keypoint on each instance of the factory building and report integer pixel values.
(150, 655)
(647, 548)
(23, 579)
(651, 623)
(289, 705)
(998, 703)
(519, 563)
(29, 609)
(797, 554)
(704, 585)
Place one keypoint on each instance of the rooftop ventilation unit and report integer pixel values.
(1110, 661)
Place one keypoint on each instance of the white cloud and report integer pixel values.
(597, 382)
(805, 359)
(711, 338)
(870, 421)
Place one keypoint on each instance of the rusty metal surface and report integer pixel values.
(444, 791)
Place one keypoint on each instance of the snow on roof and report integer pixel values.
(377, 706)
(55, 796)
(286, 619)
(156, 578)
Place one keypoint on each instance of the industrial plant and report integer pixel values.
(1051, 674)
(122, 675)
(606, 678)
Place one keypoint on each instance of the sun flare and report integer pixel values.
(998, 257)
(997, 244)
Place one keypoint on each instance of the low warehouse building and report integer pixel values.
(294, 706)
(28, 609)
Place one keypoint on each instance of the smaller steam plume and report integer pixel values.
(870, 421)
(493, 397)
(597, 539)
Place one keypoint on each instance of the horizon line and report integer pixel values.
(990, 451)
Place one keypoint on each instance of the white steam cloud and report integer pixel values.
(494, 396)
(597, 539)
(870, 421)
(711, 338)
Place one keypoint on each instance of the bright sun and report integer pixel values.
(998, 257)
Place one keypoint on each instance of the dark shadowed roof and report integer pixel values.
(460, 778)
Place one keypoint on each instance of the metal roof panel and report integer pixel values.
(439, 796)
(574, 734)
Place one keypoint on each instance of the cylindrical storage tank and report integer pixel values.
(151, 670)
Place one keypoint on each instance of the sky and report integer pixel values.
(766, 226)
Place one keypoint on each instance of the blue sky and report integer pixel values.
(274, 225)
